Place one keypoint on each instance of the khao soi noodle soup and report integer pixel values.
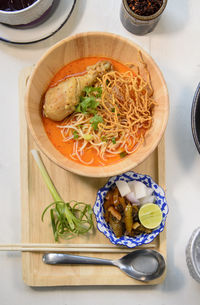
(110, 117)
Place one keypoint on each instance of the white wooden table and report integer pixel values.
(175, 46)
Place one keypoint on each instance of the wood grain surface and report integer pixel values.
(35, 197)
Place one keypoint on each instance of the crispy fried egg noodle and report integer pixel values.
(125, 108)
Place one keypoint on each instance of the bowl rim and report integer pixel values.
(17, 12)
(97, 171)
(124, 239)
(195, 104)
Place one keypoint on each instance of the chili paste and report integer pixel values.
(145, 7)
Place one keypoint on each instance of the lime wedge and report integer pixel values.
(150, 215)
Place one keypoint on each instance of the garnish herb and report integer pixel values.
(88, 102)
(68, 219)
(96, 90)
(113, 109)
(114, 140)
(123, 154)
(75, 133)
(87, 105)
(95, 121)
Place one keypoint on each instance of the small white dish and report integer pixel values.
(57, 17)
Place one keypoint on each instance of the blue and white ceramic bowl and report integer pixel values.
(104, 227)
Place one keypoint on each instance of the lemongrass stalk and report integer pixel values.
(51, 186)
(45, 175)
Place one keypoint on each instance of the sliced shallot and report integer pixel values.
(123, 187)
(131, 197)
(147, 199)
(139, 189)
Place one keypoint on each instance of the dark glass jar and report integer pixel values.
(136, 24)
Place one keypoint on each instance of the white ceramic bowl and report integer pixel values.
(27, 15)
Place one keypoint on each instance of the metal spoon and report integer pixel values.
(142, 264)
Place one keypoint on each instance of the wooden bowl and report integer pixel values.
(84, 45)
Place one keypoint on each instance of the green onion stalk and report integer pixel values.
(68, 219)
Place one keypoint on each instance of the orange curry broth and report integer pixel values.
(77, 67)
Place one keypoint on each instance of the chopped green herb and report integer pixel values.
(96, 120)
(87, 105)
(97, 90)
(107, 82)
(75, 133)
(114, 140)
(113, 109)
(88, 101)
(123, 154)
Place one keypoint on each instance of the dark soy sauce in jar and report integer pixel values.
(15, 5)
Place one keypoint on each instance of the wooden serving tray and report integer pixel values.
(35, 197)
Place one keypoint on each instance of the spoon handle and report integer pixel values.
(59, 258)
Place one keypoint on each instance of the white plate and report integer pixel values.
(57, 17)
